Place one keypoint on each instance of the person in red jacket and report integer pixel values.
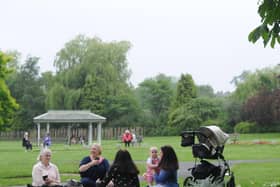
(126, 138)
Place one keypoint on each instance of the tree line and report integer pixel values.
(91, 74)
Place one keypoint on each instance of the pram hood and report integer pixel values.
(216, 137)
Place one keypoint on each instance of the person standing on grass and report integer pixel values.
(168, 167)
(45, 173)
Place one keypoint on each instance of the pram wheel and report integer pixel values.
(188, 182)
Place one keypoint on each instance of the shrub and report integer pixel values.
(245, 127)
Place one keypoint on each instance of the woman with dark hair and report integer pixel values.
(168, 166)
(123, 172)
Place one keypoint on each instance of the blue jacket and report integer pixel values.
(167, 178)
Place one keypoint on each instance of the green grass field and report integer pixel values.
(16, 164)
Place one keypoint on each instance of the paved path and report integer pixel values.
(183, 170)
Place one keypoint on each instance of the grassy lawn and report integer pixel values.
(16, 164)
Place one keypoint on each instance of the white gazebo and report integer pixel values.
(70, 117)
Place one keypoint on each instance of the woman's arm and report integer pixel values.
(57, 178)
(162, 176)
(86, 166)
(152, 166)
(37, 179)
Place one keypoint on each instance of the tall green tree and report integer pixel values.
(72, 54)
(56, 97)
(248, 84)
(155, 96)
(195, 113)
(205, 91)
(123, 110)
(191, 111)
(8, 104)
(94, 94)
(97, 69)
(186, 90)
(93, 75)
(26, 87)
(269, 29)
(48, 79)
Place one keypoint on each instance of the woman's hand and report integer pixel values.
(94, 162)
(85, 167)
(48, 181)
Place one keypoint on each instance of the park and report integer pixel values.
(254, 158)
(156, 69)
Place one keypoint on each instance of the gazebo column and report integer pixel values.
(68, 134)
(99, 133)
(38, 134)
(48, 128)
(90, 134)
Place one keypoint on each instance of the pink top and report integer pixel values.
(151, 161)
(39, 170)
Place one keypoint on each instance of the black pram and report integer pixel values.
(210, 146)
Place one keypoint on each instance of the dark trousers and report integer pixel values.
(88, 182)
(127, 143)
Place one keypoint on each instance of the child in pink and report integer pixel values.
(152, 166)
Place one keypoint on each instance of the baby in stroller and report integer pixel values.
(210, 146)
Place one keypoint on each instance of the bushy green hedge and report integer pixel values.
(245, 127)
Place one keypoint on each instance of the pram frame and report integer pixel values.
(216, 153)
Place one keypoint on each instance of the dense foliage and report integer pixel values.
(26, 86)
(256, 98)
(155, 97)
(8, 104)
(263, 109)
(94, 75)
(269, 29)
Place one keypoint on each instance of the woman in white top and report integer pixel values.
(44, 172)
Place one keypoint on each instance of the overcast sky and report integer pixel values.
(207, 39)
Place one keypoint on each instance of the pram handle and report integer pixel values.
(192, 133)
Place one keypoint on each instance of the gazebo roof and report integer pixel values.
(69, 116)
